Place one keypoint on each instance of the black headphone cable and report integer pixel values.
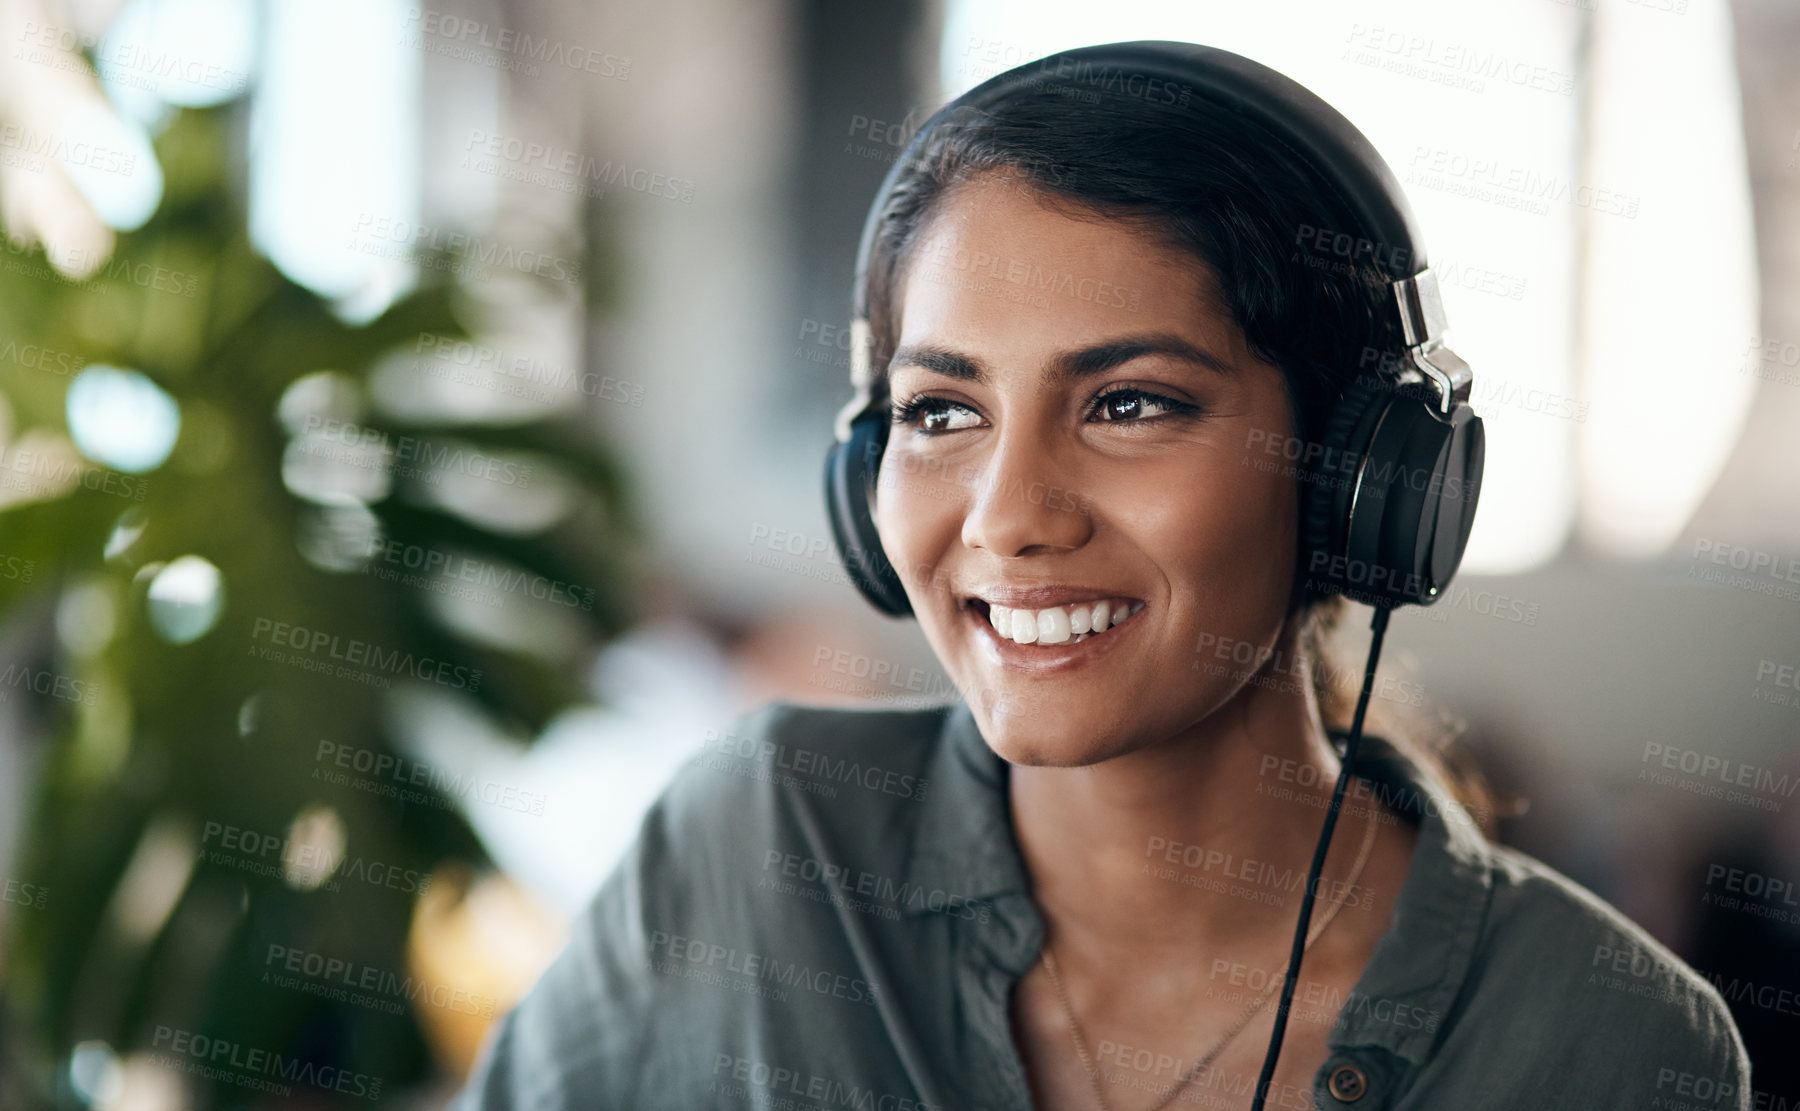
(1379, 625)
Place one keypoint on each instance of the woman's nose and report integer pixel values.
(1023, 502)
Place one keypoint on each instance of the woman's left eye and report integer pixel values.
(1135, 405)
(935, 415)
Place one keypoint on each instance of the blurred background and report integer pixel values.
(411, 420)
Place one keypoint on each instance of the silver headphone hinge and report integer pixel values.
(1424, 324)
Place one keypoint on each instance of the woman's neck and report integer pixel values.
(1203, 839)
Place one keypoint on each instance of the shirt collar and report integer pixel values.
(965, 846)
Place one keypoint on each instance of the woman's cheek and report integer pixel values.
(910, 519)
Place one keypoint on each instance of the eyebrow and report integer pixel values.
(1069, 365)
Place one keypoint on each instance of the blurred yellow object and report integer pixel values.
(478, 943)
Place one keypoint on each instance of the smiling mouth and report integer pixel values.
(1056, 625)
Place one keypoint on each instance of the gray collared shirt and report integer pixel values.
(828, 909)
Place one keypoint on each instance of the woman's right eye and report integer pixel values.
(932, 415)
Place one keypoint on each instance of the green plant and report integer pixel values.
(157, 749)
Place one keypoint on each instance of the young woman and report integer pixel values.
(1097, 323)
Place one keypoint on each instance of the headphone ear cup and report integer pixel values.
(1416, 503)
(1328, 488)
(1402, 497)
(1452, 453)
(850, 471)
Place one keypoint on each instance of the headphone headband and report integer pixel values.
(1306, 125)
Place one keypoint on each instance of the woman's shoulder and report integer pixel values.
(1541, 915)
(1573, 975)
(835, 758)
(788, 786)
(726, 908)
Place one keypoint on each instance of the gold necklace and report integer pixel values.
(1243, 1019)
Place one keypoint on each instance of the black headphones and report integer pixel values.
(1391, 501)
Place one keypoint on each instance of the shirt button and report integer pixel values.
(1348, 1083)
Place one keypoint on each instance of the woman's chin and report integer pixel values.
(1038, 747)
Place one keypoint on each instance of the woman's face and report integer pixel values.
(1082, 427)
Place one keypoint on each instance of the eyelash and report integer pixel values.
(909, 411)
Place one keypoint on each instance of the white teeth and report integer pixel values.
(1024, 626)
(1059, 624)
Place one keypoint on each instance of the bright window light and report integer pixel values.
(190, 53)
(1476, 108)
(120, 418)
(111, 161)
(334, 189)
(1673, 291)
